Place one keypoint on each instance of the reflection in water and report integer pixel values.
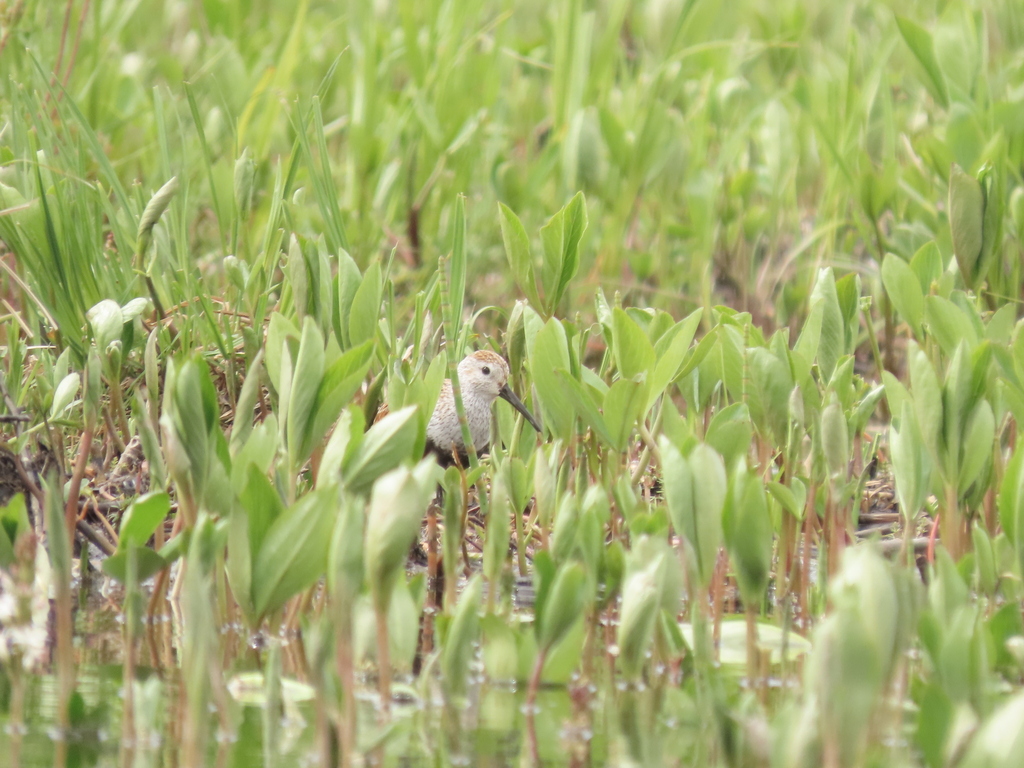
(490, 729)
(570, 725)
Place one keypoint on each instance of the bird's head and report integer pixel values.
(483, 374)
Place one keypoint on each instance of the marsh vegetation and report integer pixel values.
(755, 267)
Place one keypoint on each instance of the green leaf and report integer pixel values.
(561, 238)
(365, 311)
(345, 560)
(457, 651)
(64, 395)
(308, 371)
(730, 433)
(835, 439)
(920, 43)
(349, 281)
(386, 445)
(457, 263)
(282, 340)
(999, 741)
(793, 499)
(147, 563)
(294, 553)
(747, 529)
(106, 322)
(966, 213)
(910, 463)
(517, 250)
(575, 226)
(397, 505)
(241, 428)
(623, 407)
(563, 605)
(641, 601)
(928, 265)
(670, 352)
(634, 355)
(550, 353)
(1011, 502)
(832, 341)
(262, 505)
(143, 517)
(904, 290)
(582, 398)
(927, 397)
(695, 489)
(340, 382)
(978, 441)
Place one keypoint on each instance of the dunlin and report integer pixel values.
(483, 377)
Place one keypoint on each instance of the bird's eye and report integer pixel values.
(486, 371)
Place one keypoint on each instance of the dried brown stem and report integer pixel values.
(75, 486)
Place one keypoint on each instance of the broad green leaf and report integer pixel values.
(583, 401)
(670, 352)
(345, 558)
(927, 396)
(730, 433)
(966, 212)
(238, 568)
(999, 740)
(747, 529)
(143, 517)
(695, 489)
(904, 290)
(262, 506)
(832, 342)
(349, 280)
(977, 445)
(948, 324)
(64, 395)
(294, 553)
(835, 439)
(910, 463)
(574, 227)
(365, 310)
(920, 43)
(106, 322)
(497, 534)
(308, 371)
(769, 386)
(457, 262)
(386, 445)
(241, 428)
(957, 404)
(457, 651)
(810, 335)
(340, 382)
(641, 602)
(623, 408)
(928, 265)
(397, 505)
(517, 250)
(551, 353)
(895, 393)
(634, 355)
(793, 499)
(563, 605)
(280, 332)
(147, 563)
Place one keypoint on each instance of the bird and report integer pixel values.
(483, 378)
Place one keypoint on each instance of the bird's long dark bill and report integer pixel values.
(508, 394)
